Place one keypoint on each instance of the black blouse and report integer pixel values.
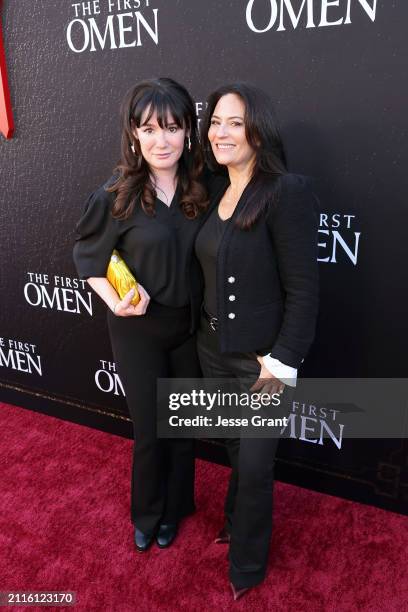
(206, 249)
(156, 249)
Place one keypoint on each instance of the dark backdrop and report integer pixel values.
(340, 92)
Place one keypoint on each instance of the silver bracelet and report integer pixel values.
(114, 308)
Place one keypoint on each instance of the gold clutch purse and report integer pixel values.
(121, 278)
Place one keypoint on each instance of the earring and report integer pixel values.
(189, 143)
(133, 148)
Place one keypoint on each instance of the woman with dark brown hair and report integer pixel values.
(149, 211)
(258, 252)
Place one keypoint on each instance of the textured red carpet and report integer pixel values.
(64, 525)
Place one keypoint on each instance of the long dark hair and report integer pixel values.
(165, 97)
(262, 134)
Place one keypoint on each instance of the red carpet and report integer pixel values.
(64, 497)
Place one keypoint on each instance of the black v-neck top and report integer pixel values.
(156, 249)
(206, 248)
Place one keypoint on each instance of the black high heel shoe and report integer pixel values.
(143, 541)
(237, 593)
(166, 535)
(223, 537)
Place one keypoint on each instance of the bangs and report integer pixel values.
(167, 108)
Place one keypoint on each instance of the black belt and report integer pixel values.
(213, 321)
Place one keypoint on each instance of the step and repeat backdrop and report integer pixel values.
(336, 70)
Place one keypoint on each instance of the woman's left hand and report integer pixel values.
(267, 382)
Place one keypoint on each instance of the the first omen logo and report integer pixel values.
(6, 113)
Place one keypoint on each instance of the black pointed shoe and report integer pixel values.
(143, 541)
(166, 534)
(238, 593)
(223, 537)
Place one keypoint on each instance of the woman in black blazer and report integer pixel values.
(258, 253)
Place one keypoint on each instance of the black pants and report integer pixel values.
(248, 504)
(155, 345)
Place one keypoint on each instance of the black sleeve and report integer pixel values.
(293, 223)
(96, 235)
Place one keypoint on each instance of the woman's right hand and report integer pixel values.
(124, 308)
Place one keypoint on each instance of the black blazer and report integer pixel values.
(267, 277)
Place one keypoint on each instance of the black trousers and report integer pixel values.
(248, 504)
(155, 345)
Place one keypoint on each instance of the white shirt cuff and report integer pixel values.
(285, 373)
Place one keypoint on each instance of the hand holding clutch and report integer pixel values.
(121, 278)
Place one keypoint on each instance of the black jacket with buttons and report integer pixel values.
(267, 276)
